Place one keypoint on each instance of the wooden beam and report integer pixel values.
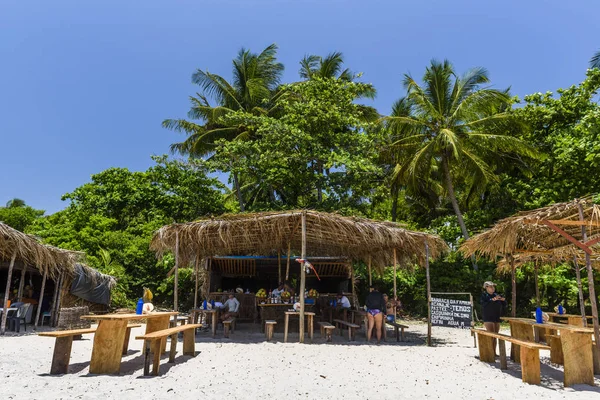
(21, 283)
(175, 299)
(537, 286)
(41, 300)
(395, 278)
(592, 242)
(514, 286)
(302, 278)
(287, 267)
(573, 223)
(196, 282)
(428, 294)
(279, 266)
(569, 237)
(592, 290)
(7, 291)
(580, 290)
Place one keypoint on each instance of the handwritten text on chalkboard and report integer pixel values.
(451, 313)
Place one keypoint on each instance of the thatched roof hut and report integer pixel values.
(269, 232)
(533, 231)
(28, 250)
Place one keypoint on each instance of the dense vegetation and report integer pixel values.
(451, 156)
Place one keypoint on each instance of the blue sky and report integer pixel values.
(84, 85)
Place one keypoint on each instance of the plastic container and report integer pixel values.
(212, 304)
(538, 316)
(204, 305)
(309, 301)
(140, 307)
(561, 310)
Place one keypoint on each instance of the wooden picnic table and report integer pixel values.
(110, 336)
(275, 312)
(576, 342)
(214, 313)
(572, 319)
(310, 316)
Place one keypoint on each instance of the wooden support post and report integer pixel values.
(580, 290)
(196, 283)
(428, 294)
(175, 299)
(592, 290)
(61, 281)
(7, 291)
(54, 296)
(530, 365)
(208, 276)
(21, 283)
(289, 255)
(395, 278)
(40, 301)
(370, 276)
(513, 278)
(537, 287)
(302, 277)
(278, 267)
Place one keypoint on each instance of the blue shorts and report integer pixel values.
(391, 318)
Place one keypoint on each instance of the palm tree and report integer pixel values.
(15, 203)
(255, 81)
(451, 128)
(595, 61)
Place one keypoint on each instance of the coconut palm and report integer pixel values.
(595, 61)
(452, 128)
(255, 80)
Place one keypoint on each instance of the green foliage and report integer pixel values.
(313, 154)
(113, 217)
(19, 215)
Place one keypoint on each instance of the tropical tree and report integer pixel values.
(255, 80)
(595, 61)
(453, 129)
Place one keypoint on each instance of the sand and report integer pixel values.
(246, 367)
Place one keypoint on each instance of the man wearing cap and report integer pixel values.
(492, 304)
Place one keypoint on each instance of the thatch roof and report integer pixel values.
(30, 251)
(548, 257)
(269, 232)
(528, 232)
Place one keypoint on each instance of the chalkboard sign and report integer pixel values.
(451, 313)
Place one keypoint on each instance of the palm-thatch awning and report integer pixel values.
(556, 228)
(268, 233)
(29, 251)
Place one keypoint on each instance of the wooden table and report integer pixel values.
(110, 336)
(576, 342)
(274, 312)
(572, 319)
(206, 313)
(309, 315)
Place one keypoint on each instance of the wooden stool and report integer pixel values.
(327, 330)
(269, 328)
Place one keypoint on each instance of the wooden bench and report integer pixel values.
(351, 328)
(64, 342)
(529, 351)
(269, 328)
(327, 330)
(228, 324)
(153, 342)
(398, 329)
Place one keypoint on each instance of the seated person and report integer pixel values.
(232, 305)
(287, 286)
(390, 305)
(342, 301)
(280, 289)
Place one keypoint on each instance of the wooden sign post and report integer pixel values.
(428, 295)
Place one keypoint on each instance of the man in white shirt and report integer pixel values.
(232, 305)
(342, 301)
(279, 290)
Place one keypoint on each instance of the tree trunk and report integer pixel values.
(452, 195)
(319, 183)
(394, 192)
(238, 190)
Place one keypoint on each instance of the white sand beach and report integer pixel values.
(246, 367)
